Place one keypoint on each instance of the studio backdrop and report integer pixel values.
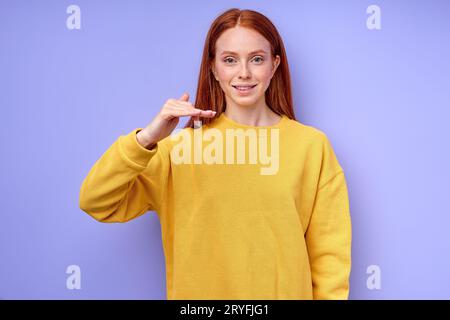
(76, 75)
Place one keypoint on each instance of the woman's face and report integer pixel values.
(240, 61)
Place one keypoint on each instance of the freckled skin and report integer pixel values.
(245, 67)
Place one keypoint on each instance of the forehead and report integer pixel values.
(242, 41)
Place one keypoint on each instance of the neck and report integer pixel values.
(257, 115)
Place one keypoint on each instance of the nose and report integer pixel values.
(244, 72)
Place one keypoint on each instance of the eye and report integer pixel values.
(258, 58)
(261, 58)
(227, 59)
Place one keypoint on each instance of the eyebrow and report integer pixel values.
(231, 52)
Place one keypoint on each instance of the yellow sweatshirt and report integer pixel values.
(234, 227)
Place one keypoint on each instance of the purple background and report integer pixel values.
(382, 97)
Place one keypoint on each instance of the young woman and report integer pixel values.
(236, 222)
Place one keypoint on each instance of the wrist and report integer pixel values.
(144, 140)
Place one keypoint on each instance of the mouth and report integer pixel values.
(244, 89)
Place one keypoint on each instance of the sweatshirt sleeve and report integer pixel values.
(127, 181)
(328, 236)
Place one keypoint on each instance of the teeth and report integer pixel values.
(243, 88)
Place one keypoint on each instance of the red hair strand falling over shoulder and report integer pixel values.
(209, 93)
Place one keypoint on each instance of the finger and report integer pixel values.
(198, 113)
(185, 97)
(193, 112)
(183, 104)
(187, 106)
(208, 113)
(177, 112)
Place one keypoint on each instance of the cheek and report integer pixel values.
(225, 75)
(265, 74)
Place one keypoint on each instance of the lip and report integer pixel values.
(244, 93)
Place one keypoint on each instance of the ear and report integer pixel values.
(276, 63)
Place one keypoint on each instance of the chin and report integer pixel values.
(245, 100)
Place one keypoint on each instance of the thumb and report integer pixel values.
(185, 97)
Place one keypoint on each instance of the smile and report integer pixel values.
(244, 89)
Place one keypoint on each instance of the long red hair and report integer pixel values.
(209, 93)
